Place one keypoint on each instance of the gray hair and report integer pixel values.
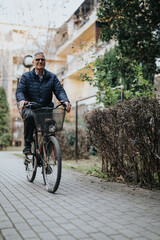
(37, 53)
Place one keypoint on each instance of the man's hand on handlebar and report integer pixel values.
(21, 104)
(68, 106)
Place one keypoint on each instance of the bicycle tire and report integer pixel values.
(52, 166)
(31, 166)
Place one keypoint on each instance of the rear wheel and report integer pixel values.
(52, 164)
(31, 164)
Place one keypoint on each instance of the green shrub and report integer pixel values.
(127, 136)
(5, 135)
(112, 71)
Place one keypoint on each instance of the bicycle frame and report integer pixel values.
(38, 149)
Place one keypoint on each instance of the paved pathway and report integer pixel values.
(84, 207)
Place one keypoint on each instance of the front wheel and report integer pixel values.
(52, 166)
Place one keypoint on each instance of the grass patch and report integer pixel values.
(20, 155)
(13, 148)
(91, 166)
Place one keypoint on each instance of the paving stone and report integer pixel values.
(35, 238)
(5, 224)
(129, 233)
(22, 226)
(66, 237)
(108, 231)
(33, 222)
(151, 235)
(39, 228)
(120, 237)
(100, 236)
(28, 233)
(96, 224)
(78, 234)
(58, 231)
(88, 229)
(10, 234)
(47, 236)
(61, 220)
(78, 222)
(141, 238)
(69, 226)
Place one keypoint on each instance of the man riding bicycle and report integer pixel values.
(38, 86)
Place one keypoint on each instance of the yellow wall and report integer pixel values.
(77, 89)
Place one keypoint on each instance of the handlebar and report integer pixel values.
(28, 104)
(61, 104)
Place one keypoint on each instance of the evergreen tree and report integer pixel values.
(5, 135)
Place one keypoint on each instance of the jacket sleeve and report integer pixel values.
(59, 91)
(21, 91)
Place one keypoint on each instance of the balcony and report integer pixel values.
(78, 36)
(80, 62)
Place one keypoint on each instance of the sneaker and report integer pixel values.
(27, 150)
(48, 169)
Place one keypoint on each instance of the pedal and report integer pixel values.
(27, 160)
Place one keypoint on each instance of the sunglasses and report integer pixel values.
(40, 59)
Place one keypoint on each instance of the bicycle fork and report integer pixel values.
(49, 155)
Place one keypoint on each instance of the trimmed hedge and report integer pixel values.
(127, 136)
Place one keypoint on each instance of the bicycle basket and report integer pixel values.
(49, 120)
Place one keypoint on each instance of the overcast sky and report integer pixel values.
(42, 13)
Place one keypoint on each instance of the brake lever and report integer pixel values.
(64, 105)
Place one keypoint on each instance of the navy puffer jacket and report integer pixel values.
(30, 88)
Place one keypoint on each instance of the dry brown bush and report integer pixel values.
(127, 136)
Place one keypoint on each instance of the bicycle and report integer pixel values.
(46, 154)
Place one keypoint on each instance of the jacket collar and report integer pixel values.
(35, 74)
(46, 74)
